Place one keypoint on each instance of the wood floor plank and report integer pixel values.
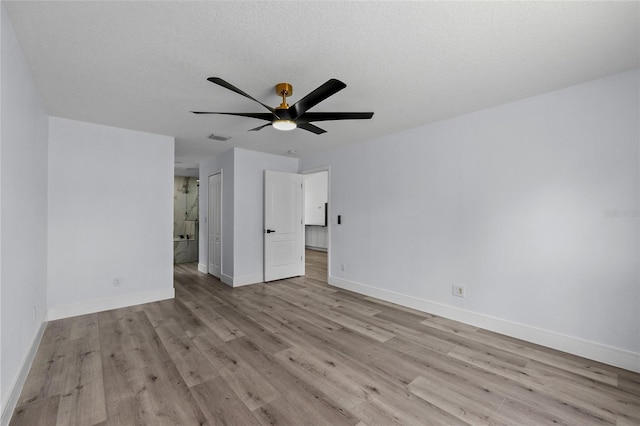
(46, 375)
(577, 365)
(220, 404)
(266, 339)
(126, 397)
(373, 399)
(193, 366)
(115, 314)
(300, 352)
(222, 327)
(516, 412)
(279, 412)
(490, 359)
(321, 372)
(606, 402)
(348, 321)
(150, 351)
(629, 382)
(83, 327)
(155, 314)
(47, 371)
(391, 397)
(301, 394)
(287, 312)
(195, 297)
(178, 311)
(214, 349)
(143, 334)
(253, 389)
(468, 404)
(82, 400)
(406, 319)
(42, 412)
(115, 334)
(524, 385)
(172, 402)
(378, 357)
(307, 336)
(316, 408)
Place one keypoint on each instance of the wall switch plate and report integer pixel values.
(342, 267)
(116, 282)
(458, 290)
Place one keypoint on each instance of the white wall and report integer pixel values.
(315, 197)
(110, 216)
(249, 210)
(225, 163)
(316, 237)
(515, 203)
(242, 211)
(316, 187)
(23, 224)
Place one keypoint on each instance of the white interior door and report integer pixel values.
(215, 224)
(283, 226)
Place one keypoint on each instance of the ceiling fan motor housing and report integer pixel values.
(284, 87)
(285, 90)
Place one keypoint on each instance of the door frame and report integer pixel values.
(221, 221)
(329, 208)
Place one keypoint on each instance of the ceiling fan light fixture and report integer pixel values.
(285, 117)
(284, 125)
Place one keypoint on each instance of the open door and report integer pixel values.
(283, 226)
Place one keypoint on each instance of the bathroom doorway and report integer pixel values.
(185, 219)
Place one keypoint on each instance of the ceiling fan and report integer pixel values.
(285, 117)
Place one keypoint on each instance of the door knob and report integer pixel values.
(268, 231)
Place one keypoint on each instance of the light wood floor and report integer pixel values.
(299, 352)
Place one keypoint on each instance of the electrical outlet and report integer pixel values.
(342, 267)
(116, 282)
(458, 290)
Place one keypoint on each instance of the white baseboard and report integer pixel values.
(16, 387)
(573, 345)
(240, 281)
(248, 279)
(92, 306)
(228, 280)
(316, 248)
(203, 268)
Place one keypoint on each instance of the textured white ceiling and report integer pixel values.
(143, 65)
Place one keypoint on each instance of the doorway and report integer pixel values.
(317, 222)
(185, 219)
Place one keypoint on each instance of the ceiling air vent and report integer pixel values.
(215, 137)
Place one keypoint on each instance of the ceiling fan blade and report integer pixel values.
(329, 88)
(259, 115)
(229, 86)
(330, 116)
(311, 128)
(260, 127)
